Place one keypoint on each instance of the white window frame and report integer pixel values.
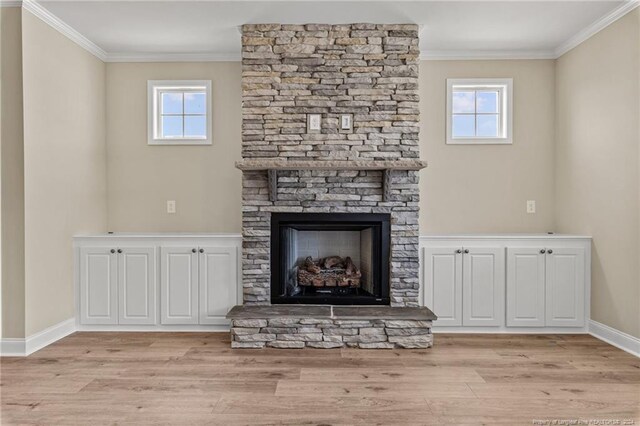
(154, 89)
(505, 109)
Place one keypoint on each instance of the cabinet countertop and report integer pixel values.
(530, 236)
(159, 235)
(469, 236)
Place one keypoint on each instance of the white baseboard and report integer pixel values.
(35, 342)
(614, 337)
(508, 330)
(210, 328)
(49, 335)
(12, 347)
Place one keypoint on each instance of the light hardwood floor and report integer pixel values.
(195, 378)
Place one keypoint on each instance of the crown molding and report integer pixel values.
(56, 23)
(10, 3)
(172, 57)
(478, 55)
(596, 27)
(433, 55)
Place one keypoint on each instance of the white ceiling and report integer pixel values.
(130, 29)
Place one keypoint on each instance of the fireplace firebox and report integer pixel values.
(330, 258)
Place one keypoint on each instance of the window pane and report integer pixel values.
(487, 126)
(195, 126)
(171, 126)
(194, 103)
(463, 101)
(172, 103)
(463, 126)
(487, 101)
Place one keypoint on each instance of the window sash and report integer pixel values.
(475, 90)
(503, 87)
(159, 91)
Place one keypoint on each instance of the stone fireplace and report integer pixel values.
(303, 189)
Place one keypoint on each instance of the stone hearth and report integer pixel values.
(379, 327)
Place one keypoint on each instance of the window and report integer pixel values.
(179, 112)
(479, 111)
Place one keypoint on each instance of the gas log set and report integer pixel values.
(332, 271)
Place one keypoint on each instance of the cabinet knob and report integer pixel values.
(193, 250)
(459, 251)
(466, 251)
(119, 250)
(113, 250)
(550, 251)
(543, 251)
(201, 250)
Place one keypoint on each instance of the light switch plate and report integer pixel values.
(171, 206)
(346, 122)
(314, 123)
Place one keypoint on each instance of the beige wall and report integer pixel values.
(597, 164)
(65, 165)
(202, 179)
(12, 173)
(485, 188)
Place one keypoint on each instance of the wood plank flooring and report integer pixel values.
(196, 378)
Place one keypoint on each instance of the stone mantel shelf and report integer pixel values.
(273, 166)
(331, 165)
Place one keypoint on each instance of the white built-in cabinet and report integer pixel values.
(153, 281)
(99, 285)
(443, 279)
(514, 282)
(525, 286)
(195, 284)
(476, 272)
(483, 286)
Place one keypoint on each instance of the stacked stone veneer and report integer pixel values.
(330, 333)
(366, 70)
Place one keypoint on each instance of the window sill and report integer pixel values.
(479, 141)
(179, 142)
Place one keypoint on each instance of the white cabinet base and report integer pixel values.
(510, 283)
(156, 282)
(483, 286)
(526, 287)
(179, 285)
(443, 267)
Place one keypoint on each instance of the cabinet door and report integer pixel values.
(98, 286)
(179, 285)
(565, 287)
(483, 286)
(525, 287)
(218, 269)
(137, 285)
(443, 284)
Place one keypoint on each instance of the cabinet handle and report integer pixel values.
(459, 251)
(550, 251)
(201, 250)
(119, 250)
(543, 251)
(466, 251)
(113, 250)
(193, 250)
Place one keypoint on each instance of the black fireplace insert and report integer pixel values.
(330, 258)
